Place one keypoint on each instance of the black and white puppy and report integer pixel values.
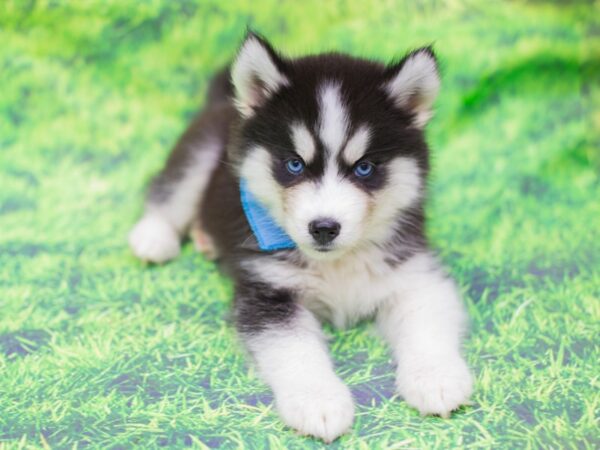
(332, 149)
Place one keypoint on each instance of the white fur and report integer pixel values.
(153, 239)
(333, 117)
(304, 144)
(424, 322)
(404, 188)
(252, 72)
(332, 196)
(293, 361)
(156, 237)
(357, 145)
(416, 86)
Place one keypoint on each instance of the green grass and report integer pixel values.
(97, 349)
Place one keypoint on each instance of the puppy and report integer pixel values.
(306, 178)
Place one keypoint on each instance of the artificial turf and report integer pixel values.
(99, 350)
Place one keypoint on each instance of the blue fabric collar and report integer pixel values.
(269, 235)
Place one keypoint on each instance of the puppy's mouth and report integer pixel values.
(322, 252)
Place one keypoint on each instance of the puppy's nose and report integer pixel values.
(324, 230)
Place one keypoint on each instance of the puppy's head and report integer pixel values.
(333, 145)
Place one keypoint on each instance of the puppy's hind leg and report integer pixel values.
(174, 197)
(203, 242)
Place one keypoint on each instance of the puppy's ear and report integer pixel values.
(413, 84)
(257, 73)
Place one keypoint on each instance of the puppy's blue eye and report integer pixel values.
(295, 166)
(364, 169)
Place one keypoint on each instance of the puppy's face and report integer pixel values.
(332, 145)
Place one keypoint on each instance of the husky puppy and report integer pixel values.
(306, 178)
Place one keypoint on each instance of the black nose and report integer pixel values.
(324, 230)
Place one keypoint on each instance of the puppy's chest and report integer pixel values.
(344, 293)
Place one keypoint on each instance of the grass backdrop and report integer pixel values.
(99, 350)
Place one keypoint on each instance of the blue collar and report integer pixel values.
(269, 235)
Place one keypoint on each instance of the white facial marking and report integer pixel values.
(403, 189)
(357, 145)
(332, 197)
(416, 86)
(304, 144)
(333, 125)
(252, 73)
(256, 170)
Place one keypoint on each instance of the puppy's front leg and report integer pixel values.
(290, 352)
(424, 324)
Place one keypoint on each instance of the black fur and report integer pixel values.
(258, 306)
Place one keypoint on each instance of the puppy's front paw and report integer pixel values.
(324, 409)
(436, 387)
(153, 239)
